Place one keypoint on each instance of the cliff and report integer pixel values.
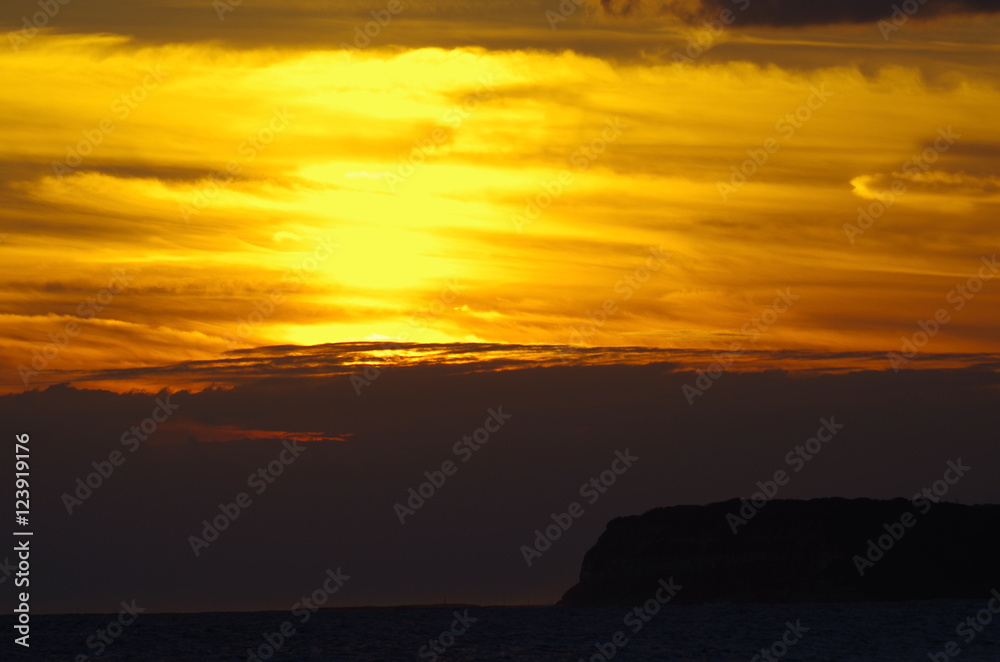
(821, 550)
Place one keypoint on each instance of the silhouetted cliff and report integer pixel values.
(796, 551)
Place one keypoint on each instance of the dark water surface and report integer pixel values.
(816, 632)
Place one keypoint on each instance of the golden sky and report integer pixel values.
(580, 212)
(175, 186)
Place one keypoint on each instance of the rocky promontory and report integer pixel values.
(822, 550)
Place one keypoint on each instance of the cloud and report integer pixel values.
(342, 360)
(938, 182)
(790, 12)
(185, 431)
(336, 505)
(657, 184)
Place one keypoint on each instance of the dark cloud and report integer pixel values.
(344, 359)
(794, 12)
(500, 25)
(334, 507)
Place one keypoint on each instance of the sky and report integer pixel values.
(343, 501)
(482, 172)
(692, 226)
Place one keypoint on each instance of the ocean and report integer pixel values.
(870, 632)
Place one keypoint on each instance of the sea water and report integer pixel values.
(872, 632)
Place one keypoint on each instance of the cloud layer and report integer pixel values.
(441, 217)
(787, 13)
(335, 505)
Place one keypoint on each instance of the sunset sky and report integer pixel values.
(686, 229)
(237, 176)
